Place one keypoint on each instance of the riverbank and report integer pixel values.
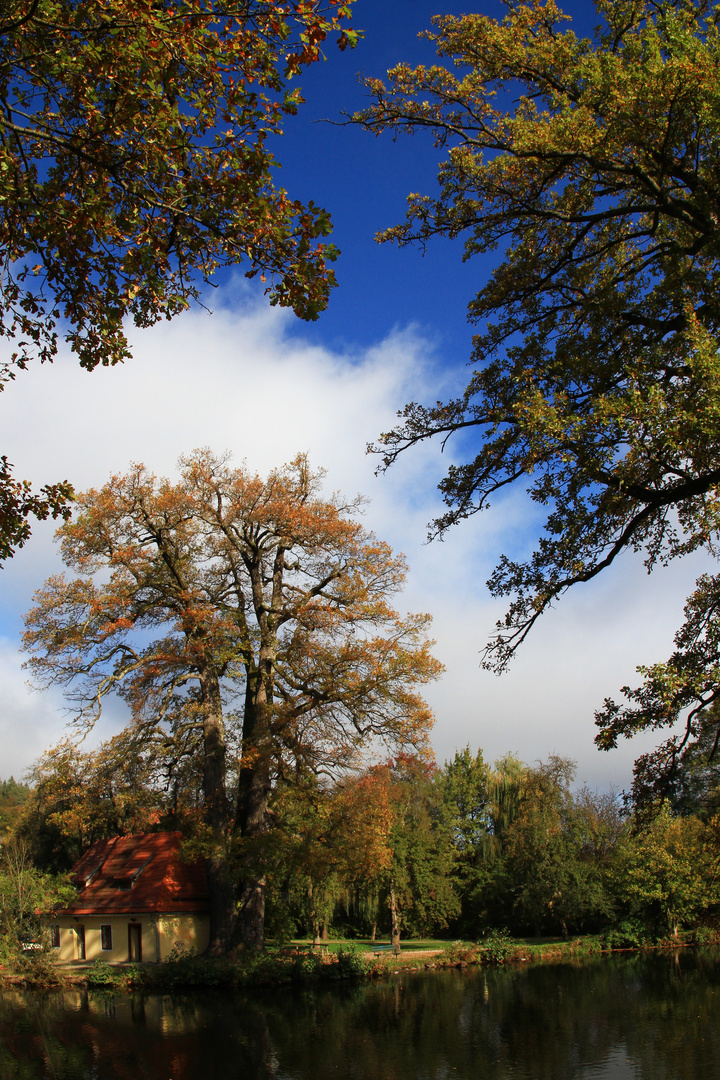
(299, 962)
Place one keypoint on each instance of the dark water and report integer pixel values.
(654, 1017)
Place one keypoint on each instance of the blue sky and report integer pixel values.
(264, 385)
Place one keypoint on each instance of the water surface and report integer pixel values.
(654, 1017)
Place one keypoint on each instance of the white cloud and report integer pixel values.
(244, 379)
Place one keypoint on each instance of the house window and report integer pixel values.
(54, 937)
(106, 937)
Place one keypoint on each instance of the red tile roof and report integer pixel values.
(138, 874)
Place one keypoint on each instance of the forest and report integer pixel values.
(402, 849)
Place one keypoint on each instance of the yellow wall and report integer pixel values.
(192, 932)
(159, 934)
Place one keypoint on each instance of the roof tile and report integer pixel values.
(154, 877)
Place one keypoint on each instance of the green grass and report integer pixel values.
(363, 945)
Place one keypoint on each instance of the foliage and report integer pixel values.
(26, 897)
(119, 789)
(13, 798)
(349, 963)
(665, 877)
(541, 853)
(372, 843)
(328, 848)
(239, 620)
(480, 871)
(18, 503)
(591, 164)
(496, 945)
(460, 952)
(627, 934)
(107, 218)
(554, 886)
(422, 855)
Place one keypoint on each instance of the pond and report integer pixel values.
(654, 1017)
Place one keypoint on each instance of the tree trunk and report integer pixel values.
(314, 920)
(254, 789)
(223, 899)
(395, 920)
(223, 907)
(252, 913)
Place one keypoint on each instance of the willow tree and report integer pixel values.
(135, 160)
(591, 166)
(245, 621)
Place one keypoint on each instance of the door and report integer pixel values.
(80, 941)
(134, 943)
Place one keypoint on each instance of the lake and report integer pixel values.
(622, 1017)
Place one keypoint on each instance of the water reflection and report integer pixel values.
(628, 1017)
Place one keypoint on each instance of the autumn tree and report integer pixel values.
(243, 621)
(135, 161)
(13, 798)
(409, 871)
(665, 876)
(329, 849)
(590, 165)
(421, 896)
(127, 785)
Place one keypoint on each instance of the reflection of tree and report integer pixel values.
(120, 1037)
(549, 1022)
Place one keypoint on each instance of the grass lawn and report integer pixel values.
(512, 950)
(364, 944)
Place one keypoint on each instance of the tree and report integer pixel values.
(421, 896)
(591, 164)
(666, 875)
(551, 856)
(123, 787)
(243, 621)
(135, 161)
(26, 896)
(13, 799)
(329, 846)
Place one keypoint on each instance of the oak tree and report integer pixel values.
(123, 787)
(243, 621)
(590, 165)
(135, 160)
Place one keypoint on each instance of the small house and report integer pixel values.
(137, 898)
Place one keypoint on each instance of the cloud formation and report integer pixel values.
(246, 379)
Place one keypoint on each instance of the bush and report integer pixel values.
(705, 935)
(307, 964)
(376, 965)
(461, 953)
(101, 974)
(628, 934)
(349, 963)
(495, 946)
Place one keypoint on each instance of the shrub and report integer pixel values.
(495, 946)
(705, 935)
(101, 974)
(628, 934)
(348, 963)
(461, 953)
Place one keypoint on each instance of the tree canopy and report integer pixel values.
(246, 625)
(135, 161)
(590, 165)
